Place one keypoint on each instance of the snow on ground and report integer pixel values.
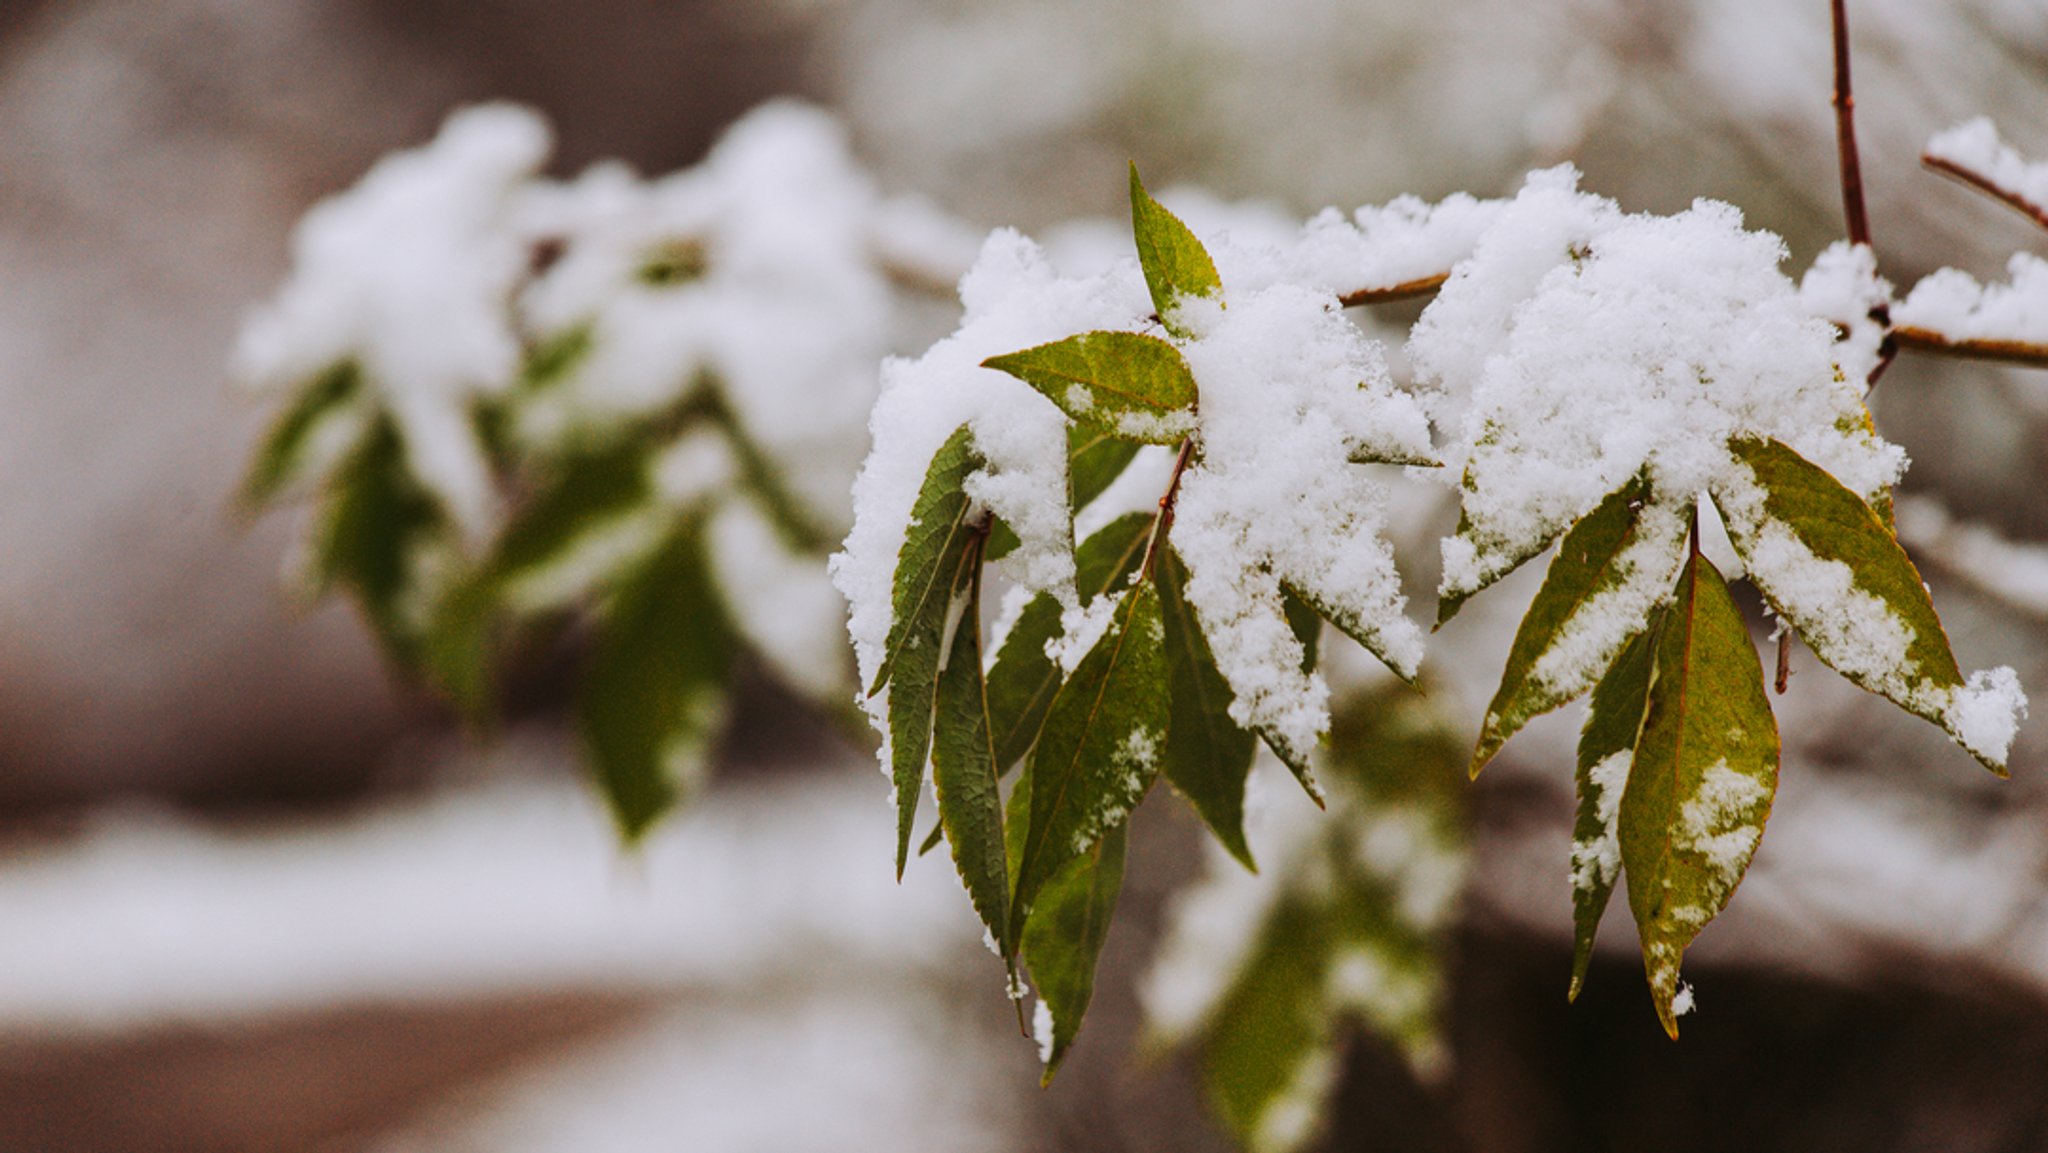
(510, 887)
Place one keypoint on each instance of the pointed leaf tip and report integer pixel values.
(1175, 263)
(1129, 385)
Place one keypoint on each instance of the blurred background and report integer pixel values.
(257, 894)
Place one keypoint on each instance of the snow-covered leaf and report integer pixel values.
(653, 696)
(1130, 385)
(928, 571)
(1175, 263)
(322, 422)
(372, 531)
(1704, 773)
(964, 769)
(1827, 564)
(1025, 677)
(1607, 747)
(1611, 569)
(1100, 747)
(1207, 755)
(1064, 940)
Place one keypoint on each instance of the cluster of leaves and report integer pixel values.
(1678, 760)
(1043, 866)
(597, 542)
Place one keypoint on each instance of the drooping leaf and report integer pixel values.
(653, 696)
(1175, 263)
(1704, 773)
(1510, 555)
(372, 531)
(1129, 385)
(1094, 460)
(1024, 679)
(964, 769)
(1351, 626)
(591, 517)
(928, 571)
(1606, 749)
(1828, 565)
(1100, 747)
(1307, 626)
(324, 411)
(1064, 939)
(1613, 566)
(1391, 455)
(1207, 755)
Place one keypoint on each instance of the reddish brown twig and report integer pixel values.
(1984, 184)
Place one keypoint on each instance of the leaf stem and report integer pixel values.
(1166, 503)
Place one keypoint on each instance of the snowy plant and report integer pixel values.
(1170, 640)
(517, 402)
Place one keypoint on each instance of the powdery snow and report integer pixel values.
(1843, 288)
(1974, 146)
(771, 290)
(409, 275)
(1952, 305)
(1594, 344)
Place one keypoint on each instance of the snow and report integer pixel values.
(1289, 392)
(1597, 862)
(1594, 345)
(1952, 305)
(1975, 147)
(788, 313)
(1843, 288)
(1716, 822)
(2014, 571)
(409, 275)
(1042, 1030)
(1385, 246)
(519, 887)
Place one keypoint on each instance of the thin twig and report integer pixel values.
(1166, 503)
(1984, 184)
(1853, 207)
(2008, 351)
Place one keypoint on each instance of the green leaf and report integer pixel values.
(928, 571)
(375, 526)
(323, 411)
(1175, 263)
(1515, 554)
(653, 696)
(1100, 747)
(1126, 384)
(1207, 755)
(1705, 770)
(1094, 460)
(1064, 940)
(1881, 632)
(1368, 637)
(1618, 561)
(1024, 679)
(964, 769)
(1606, 749)
(592, 517)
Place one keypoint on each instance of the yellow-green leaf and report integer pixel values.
(1175, 263)
(1705, 770)
(1611, 569)
(1127, 384)
(1829, 566)
(324, 421)
(1606, 749)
